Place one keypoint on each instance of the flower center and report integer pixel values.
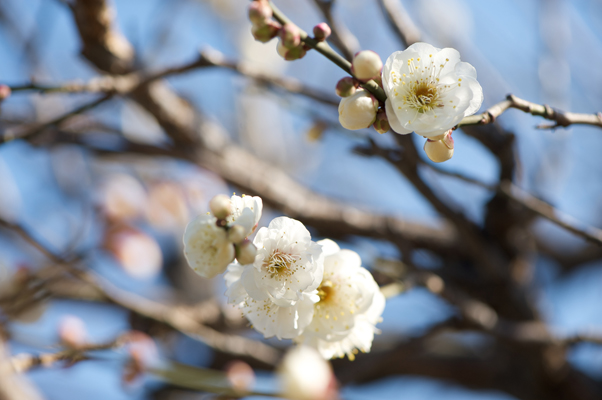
(325, 291)
(280, 263)
(422, 95)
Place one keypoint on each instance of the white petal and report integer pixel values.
(206, 247)
(393, 120)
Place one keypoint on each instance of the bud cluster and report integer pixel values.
(290, 44)
(359, 109)
(214, 240)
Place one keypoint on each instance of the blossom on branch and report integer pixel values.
(429, 90)
(246, 212)
(350, 306)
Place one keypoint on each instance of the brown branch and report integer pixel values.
(548, 212)
(403, 26)
(35, 131)
(102, 44)
(26, 362)
(561, 118)
(12, 386)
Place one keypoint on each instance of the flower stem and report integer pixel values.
(328, 52)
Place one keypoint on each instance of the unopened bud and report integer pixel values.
(259, 12)
(366, 65)
(305, 375)
(5, 92)
(358, 111)
(290, 36)
(246, 252)
(240, 375)
(72, 331)
(381, 125)
(441, 148)
(236, 234)
(295, 53)
(265, 32)
(346, 86)
(221, 206)
(322, 31)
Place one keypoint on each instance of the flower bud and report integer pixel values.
(221, 206)
(358, 111)
(305, 375)
(346, 86)
(246, 252)
(382, 122)
(240, 376)
(295, 53)
(322, 31)
(265, 32)
(366, 65)
(236, 233)
(290, 36)
(259, 12)
(441, 148)
(5, 92)
(72, 331)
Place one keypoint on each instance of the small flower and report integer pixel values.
(358, 111)
(246, 212)
(366, 65)
(429, 90)
(206, 247)
(304, 375)
(287, 264)
(322, 31)
(268, 318)
(350, 306)
(440, 148)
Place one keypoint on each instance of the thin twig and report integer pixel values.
(561, 118)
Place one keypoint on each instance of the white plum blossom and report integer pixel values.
(246, 212)
(267, 317)
(287, 264)
(278, 290)
(358, 111)
(206, 246)
(350, 306)
(429, 90)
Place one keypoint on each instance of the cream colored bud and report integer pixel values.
(358, 111)
(366, 65)
(441, 148)
(305, 375)
(221, 206)
(236, 233)
(246, 252)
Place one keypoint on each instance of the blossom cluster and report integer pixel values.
(428, 91)
(291, 287)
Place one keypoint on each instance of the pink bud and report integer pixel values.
(240, 375)
(381, 125)
(290, 36)
(346, 87)
(295, 53)
(5, 92)
(265, 32)
(366, 65)
(72, 331)
(259, 12)
(322, 31)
